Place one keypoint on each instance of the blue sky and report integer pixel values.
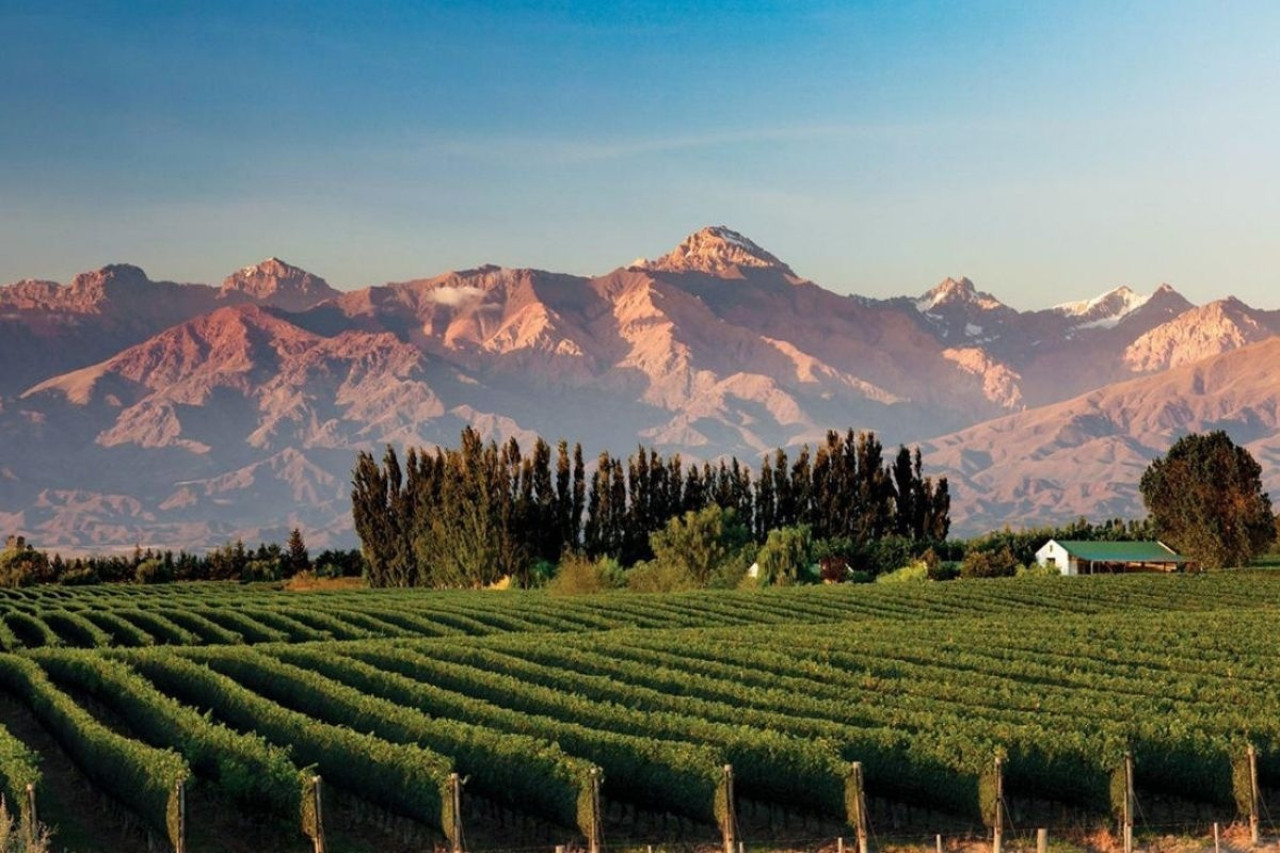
(1049, 151)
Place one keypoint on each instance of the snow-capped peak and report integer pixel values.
(716, 249)
(1104, 311)
(271, 266)
(952, 291)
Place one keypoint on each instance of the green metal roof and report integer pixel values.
(1121, 552)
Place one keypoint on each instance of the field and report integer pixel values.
(201, 714)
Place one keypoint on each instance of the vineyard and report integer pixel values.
(505, 720)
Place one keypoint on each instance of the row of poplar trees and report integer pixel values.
(471, 515)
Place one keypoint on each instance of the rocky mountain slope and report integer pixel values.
(134, 411)
(1085, 456)
(47, 328)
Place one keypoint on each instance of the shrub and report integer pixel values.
(540, 573)
(1037, 571)
(731, 573)
(989, 564)
(944, 571)
(913, 572)
(579, 575)
(654, 576)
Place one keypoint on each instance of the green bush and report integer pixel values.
(913, 572)
(1037, 571)
(730, 573)
(944, 571)
(989, 564)
(653, 576)
(579, 575)
(540, 573)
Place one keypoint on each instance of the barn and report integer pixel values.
(1093, 558)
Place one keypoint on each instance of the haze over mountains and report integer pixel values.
(185, 415)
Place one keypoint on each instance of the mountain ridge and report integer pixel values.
(244, 413)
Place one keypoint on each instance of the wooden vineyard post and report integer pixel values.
(997, 838)
(730, 812)
(317, 800)
(860, 802)
(455, 794)
(597, 834)
(1042, 841)
(1128, 802)
(180, 791)
(33, 820)
(1254, 796)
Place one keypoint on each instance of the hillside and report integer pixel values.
(1085, 456)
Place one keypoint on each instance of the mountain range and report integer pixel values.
(137, 412)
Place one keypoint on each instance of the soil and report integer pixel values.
(80, 818)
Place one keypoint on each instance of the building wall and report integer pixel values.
(1053, 554)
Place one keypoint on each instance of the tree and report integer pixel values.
(1206, 500)
(23, 565)
(698, 544)
(227, 562)
(989, 564)
(785, 555)
(298, 559)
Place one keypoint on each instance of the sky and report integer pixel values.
(1048, 151)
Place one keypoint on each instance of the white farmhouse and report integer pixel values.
(1091, 558)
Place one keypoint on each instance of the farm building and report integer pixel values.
(1092, 558)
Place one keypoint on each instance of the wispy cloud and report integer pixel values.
(561, 150)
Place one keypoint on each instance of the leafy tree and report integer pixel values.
(23, 565)
(700, 543)
(152, 571)
(372, 514)
(471, 515)
(227, 562)
(785, 555)
(914, 572)
(1206, 500)
(989, 564)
